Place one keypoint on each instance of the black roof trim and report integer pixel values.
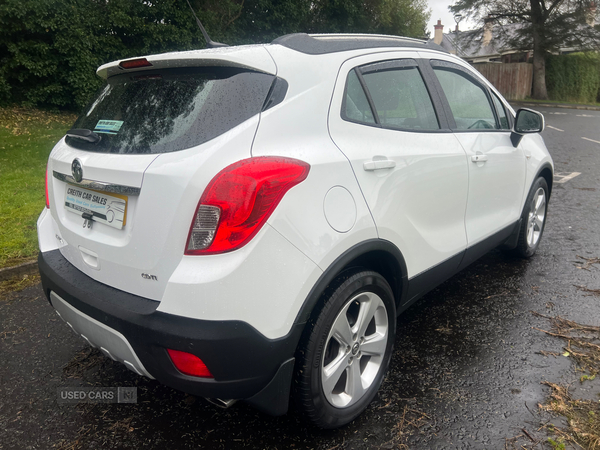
(331, 43)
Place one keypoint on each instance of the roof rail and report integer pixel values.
(320, 44)
(331, 36)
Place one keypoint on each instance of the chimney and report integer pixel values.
(439, 32)
(488, 24)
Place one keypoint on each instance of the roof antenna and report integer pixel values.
(209, 42)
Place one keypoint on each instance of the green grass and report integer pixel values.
(26, 139)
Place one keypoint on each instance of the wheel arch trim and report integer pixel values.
(546, 171)
(365, 254)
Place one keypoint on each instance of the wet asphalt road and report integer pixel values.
(466, 370)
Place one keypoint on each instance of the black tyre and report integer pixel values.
(533, 219)
(346, 350)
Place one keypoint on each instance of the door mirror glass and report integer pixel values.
(529, 121)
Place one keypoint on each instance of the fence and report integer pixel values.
(513, 80)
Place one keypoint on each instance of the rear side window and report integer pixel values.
(397, 93)
(170, 110)
(401, 99)
(356, 105)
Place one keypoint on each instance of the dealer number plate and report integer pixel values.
(109, 209)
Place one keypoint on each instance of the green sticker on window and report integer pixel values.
(108, 126)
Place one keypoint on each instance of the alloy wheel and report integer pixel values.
(355, 349)
(537, 215)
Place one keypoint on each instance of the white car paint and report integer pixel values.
(428, 205)
(495, 186)
(158, 220)
(429, 180)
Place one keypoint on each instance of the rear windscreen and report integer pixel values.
(168, 110)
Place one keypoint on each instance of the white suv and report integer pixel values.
(247, 222)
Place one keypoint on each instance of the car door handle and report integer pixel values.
(479, 158)
(379, 164)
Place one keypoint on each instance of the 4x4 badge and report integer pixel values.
(77, 170)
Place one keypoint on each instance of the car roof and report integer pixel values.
(256, 56)
(319, 44)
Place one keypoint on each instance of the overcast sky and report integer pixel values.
(439, 10)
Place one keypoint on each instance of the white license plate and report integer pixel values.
(107, 209)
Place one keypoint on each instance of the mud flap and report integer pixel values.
(274, 399)
(513, 239)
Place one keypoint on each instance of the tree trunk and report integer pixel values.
(539, 71)
(539, 51)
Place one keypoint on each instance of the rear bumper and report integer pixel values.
(245, 364)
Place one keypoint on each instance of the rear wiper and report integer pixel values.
(84, 134)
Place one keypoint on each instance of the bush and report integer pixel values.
(574, 77)
(50, 49)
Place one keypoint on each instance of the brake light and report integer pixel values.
(189, 364)
(239, 200)
(135, 63)
(47, 197)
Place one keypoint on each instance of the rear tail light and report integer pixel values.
(189, 364)
(239, 200)
(47, 197)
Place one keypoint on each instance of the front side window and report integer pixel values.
(468, 101)
(502, 116)
(397, 92)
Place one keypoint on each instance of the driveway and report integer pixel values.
(466, 371)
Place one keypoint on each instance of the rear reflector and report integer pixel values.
(189, 364)
(135, 63)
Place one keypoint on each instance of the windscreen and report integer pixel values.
(169, 110)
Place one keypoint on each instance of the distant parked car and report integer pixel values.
(246, 222)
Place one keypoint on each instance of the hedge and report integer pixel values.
(574, 77)
(50, 49)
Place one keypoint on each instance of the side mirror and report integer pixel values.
(527, 121)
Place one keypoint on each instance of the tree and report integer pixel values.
(395, 17)
(545, 26)
(254, 21)
(50, 49)
(262, 21)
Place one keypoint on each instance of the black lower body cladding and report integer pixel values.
(245, 364)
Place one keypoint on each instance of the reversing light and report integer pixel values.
(135, 63)
(189, 364)
(239, 200)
